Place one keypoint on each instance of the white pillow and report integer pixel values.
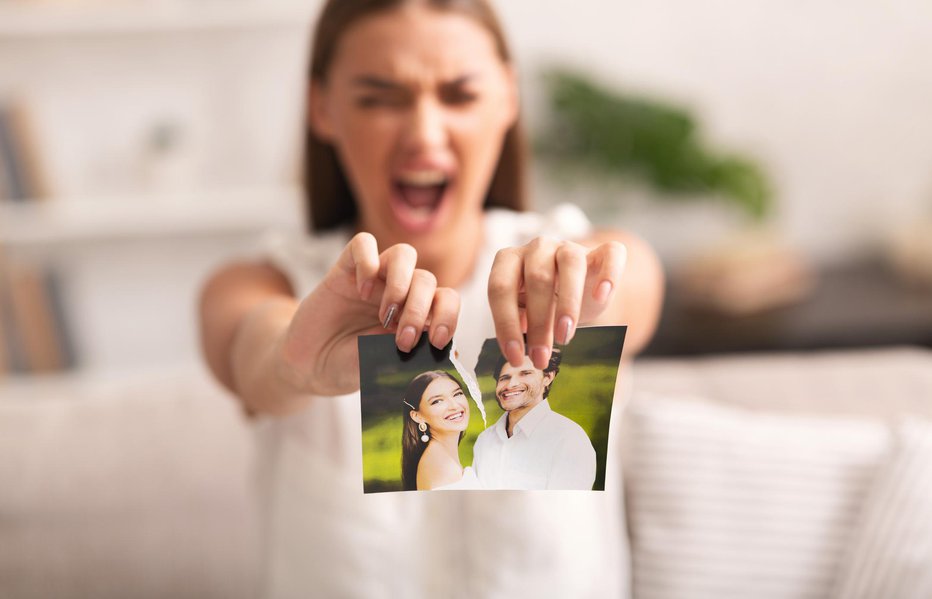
(727, 502)
(891, 552)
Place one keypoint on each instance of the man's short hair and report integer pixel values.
(556, 356)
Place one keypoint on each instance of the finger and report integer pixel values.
(443, 316)
(504, 282)
(396, 268)
(360, 258)
(571, 282)
(540, 271)
(416, 309)
(606, 266)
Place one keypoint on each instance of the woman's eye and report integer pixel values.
(379, 102)
(459, 98)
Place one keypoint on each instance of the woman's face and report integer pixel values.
(444, 406)
(417, 103)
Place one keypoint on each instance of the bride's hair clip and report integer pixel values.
(409, 405)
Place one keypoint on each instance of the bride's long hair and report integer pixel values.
(412, 448)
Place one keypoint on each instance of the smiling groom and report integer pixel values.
(531, 446)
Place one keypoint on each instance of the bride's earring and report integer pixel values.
(423, 428)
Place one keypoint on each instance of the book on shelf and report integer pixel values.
(33, 328)
(21, 174)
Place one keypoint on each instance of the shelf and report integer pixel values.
(29, 20)
(63, 221)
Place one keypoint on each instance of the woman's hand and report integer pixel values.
(364, 292)
(547, 288)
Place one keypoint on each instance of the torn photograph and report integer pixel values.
(431, 423)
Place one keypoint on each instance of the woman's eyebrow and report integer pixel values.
(377, 83)
(381, 83)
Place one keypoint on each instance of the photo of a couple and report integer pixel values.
(536, 438)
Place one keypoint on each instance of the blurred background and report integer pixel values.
(778, 155)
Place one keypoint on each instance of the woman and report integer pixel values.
(436, 414)
(414, 146)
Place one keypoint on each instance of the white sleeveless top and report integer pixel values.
(325, 538)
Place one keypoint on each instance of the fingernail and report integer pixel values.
(540, 355)
(513, 353)
(565, 328)
(406, 338)
(441, 336)
(366, 290)
(603, 291)
(389, 315)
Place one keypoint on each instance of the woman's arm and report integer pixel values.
(244, 311)
(275, 352)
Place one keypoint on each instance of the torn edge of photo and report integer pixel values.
(430, 422)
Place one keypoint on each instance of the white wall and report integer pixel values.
(135, 232)
(834, 97)
(227, 81)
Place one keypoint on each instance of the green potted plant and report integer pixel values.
(600, 133)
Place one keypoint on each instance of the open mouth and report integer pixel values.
(418, 198)
(512, 393)
(457, 417)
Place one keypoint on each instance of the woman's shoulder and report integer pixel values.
(436, 469)
(302, 257)
(467, 482)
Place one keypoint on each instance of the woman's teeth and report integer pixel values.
(422, 178)
(455, 417)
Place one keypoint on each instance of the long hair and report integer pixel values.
(412, 448)
(330, 200)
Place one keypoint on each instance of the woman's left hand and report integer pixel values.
(548, 288)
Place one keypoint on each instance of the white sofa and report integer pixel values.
(141, 487)
(136, 487)
(805, 475)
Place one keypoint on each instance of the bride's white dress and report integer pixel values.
(469, 481)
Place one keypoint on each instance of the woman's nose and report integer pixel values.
(427, 128)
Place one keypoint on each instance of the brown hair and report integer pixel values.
(330, 200)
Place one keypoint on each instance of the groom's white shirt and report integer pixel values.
(546, 451)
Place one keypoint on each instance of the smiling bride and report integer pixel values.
(436, 414)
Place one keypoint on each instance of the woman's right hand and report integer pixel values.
(365, 292)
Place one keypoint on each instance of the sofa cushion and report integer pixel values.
(727, 502)
(890, 554)
(130, 486)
